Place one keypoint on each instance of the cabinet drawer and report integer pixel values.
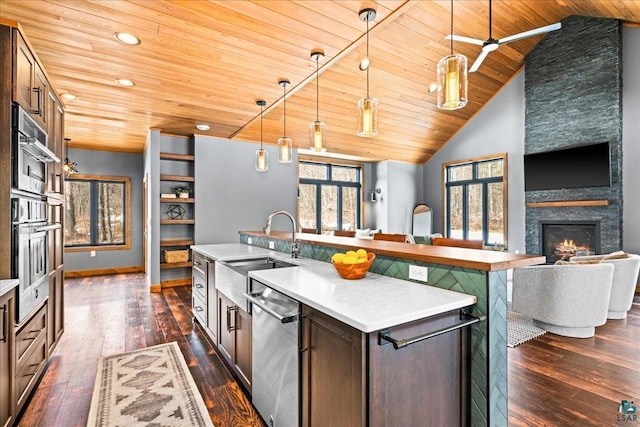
(199, 285)
(199, 308)
(30, 333)
(199, 263)
(29, 369)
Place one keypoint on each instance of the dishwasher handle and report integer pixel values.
(283, 319)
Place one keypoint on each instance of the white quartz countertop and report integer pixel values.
(370, 304)
(7, 284)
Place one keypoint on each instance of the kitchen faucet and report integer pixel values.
(267, 230)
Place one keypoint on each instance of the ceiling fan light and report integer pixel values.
(490, 46)
(368, 117)
(452, 82)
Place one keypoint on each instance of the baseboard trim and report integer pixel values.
(155, 288)
(175, 282)
(103, 271)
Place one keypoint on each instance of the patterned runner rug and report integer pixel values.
(147, 387)
(520, 328)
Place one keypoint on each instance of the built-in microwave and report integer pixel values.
(30, 154)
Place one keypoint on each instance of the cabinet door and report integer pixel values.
(226, 333)
(55, 325)
(40, 94)
(333, 372)
(25, 70)
(243, 355)
(55, 131)
(7, 409)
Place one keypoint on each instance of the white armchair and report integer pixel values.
(569, 300)
(625, 280)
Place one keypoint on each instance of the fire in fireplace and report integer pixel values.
(562, 240)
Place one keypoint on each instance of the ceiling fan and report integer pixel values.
(492, 44)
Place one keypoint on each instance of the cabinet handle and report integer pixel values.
(39, 91)
(385, 336)
(198, 308)
(197, 263)
(5, 322)
(231, 328)
(198, 285)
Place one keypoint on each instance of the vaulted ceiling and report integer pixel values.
(209, 61)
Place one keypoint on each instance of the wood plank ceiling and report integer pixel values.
(209, 61)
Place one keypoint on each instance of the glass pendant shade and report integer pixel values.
(285, 150)
(368, 117)
(452, 82)
(317, 135)
(262, 160)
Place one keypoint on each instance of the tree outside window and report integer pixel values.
(329, 197)
(96, 211)
(476, 205)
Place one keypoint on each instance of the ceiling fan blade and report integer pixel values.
(478, 61)
(464, 39)
(530, 33)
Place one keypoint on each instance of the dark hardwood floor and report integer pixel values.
(553, 381)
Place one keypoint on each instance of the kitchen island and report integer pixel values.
(481, 273)
(350, 373)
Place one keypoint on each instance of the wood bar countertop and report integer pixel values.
(484, 260)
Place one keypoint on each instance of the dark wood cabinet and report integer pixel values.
(353, 378)
(7, 366)
(56, 275)
(31, 355)
(234, 338)
(55, 130)
(31, 85)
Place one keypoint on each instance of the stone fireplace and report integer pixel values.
(573, 97)
(559, 241)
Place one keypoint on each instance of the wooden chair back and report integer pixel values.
(459, 243)
(390, 237)
(344, 233)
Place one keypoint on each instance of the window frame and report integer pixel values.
(446, 200)
(358, 185)
(127, 213)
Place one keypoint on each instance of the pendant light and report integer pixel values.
(262, 157)
(285, 144)
(452, 78)
(317, 130)
(68, 167)
(367, 107)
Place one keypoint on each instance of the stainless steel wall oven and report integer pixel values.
(29, 153)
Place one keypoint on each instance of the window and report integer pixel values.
(329, 197)
(96, 212)
(476, 200)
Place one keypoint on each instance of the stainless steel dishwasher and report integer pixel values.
(275, 324)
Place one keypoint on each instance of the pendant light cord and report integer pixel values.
(261, 112)
(368, 59)
(452, 27)
(317, 93)
(284, 89)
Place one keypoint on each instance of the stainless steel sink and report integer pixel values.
(244, 266)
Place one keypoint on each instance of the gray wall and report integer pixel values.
(499, 127)
(231, 196)
(93, 162)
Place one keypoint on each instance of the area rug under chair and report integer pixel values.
(147, 387)
(520, 328)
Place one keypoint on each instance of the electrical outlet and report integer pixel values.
(418, 273)
(249, 240)
(93, 253)
(272, 245)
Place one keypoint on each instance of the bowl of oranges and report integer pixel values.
(352, 264)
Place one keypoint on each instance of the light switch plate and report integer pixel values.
(249, 240)
(272, 245)
(419, 273)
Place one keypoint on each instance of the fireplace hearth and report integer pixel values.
(559, 241)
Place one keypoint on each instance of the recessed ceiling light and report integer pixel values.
(125, 82)
(203, 127)
(68, 96)
(433, 87)
(127, 38)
